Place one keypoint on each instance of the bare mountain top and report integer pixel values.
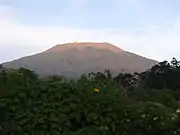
(75, 59)
(84, 45)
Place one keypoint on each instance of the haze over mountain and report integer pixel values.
(75, 59)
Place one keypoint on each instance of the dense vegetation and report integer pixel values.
(145, 103)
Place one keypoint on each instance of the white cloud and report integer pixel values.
(151, 41)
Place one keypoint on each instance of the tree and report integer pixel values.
(175, 63)
(125, 79)
(28, 76)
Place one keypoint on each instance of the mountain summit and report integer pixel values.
(75, 59)
(84, 45)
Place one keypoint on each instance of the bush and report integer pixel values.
(29, 106)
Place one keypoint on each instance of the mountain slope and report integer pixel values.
(75, 59)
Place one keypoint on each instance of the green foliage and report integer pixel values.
(96, 104)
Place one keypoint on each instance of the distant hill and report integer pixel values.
(75, 59)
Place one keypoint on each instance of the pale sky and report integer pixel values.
(150, 28)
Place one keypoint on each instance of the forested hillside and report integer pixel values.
(145, 103)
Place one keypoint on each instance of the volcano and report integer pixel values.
(76, 59)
